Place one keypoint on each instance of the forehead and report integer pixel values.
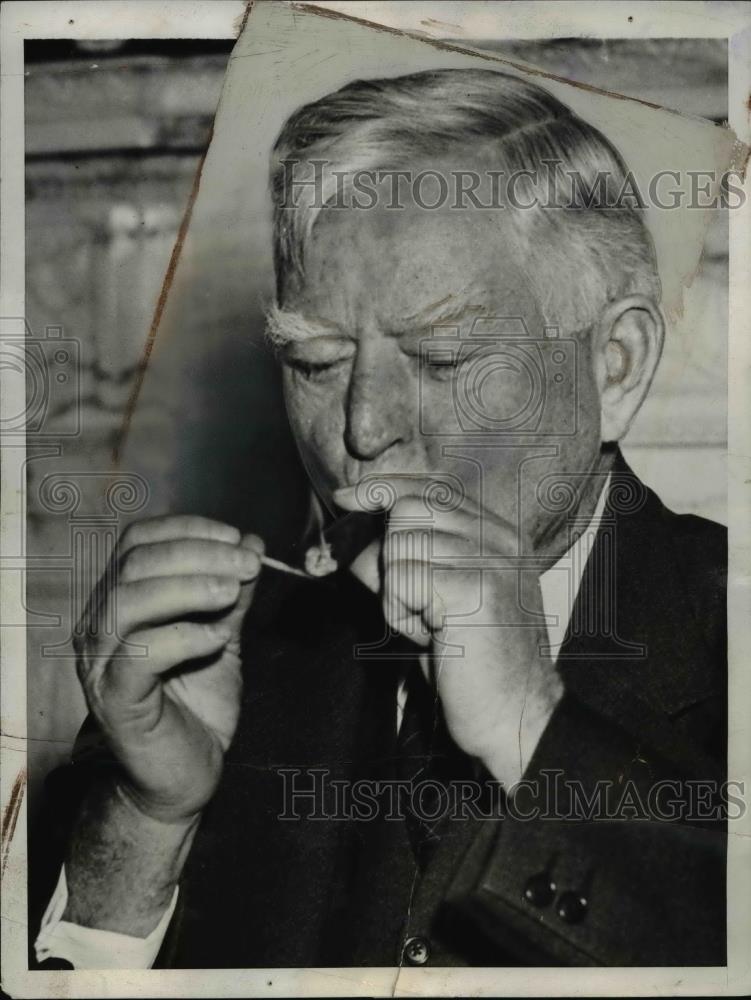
(385, 264)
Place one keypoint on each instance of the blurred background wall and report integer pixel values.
(114, 135)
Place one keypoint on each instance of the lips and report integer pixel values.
(350, 533)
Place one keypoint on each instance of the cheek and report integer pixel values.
(587, 402)
(437, 416)
(316, 417)
(571, 408)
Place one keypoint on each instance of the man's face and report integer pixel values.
(365, 397)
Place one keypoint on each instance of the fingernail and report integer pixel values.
(248, 562)
(253, 543)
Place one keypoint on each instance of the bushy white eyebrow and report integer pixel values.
(452, 309)
(286, 326)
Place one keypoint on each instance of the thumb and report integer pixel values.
(366, 568)
(234, 619)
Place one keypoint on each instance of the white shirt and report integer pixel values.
(87, 948)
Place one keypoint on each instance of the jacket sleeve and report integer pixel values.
(611, 852)
(65, 791)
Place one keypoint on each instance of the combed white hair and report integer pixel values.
(577, 258)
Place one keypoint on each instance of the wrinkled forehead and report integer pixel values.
(394, 264)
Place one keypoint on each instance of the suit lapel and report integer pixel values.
(634, 650)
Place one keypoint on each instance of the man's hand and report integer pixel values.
(483, 629)
(164, 684)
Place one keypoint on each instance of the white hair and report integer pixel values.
(577, 258)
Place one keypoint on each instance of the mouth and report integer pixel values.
(350, 533)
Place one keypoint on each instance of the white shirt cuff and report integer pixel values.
(88, 948)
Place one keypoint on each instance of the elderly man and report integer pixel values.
(513, 615)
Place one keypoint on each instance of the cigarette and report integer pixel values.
(283, 567)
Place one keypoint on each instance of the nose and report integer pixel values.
(379, 405)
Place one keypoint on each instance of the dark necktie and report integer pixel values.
(424, 751)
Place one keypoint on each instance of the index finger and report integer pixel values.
(172, 527)
(380, 492)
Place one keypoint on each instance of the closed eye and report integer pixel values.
(439, 363)
(442, 361)
(315, 371)
(441, 367)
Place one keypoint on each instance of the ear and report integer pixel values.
(626, 349)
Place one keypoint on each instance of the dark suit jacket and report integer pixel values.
(645, 677)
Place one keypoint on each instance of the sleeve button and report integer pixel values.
(416, 951)
(540, 890)
(572, 907)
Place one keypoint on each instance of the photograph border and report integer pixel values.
(215, 19)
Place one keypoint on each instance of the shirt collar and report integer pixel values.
(560, 584)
